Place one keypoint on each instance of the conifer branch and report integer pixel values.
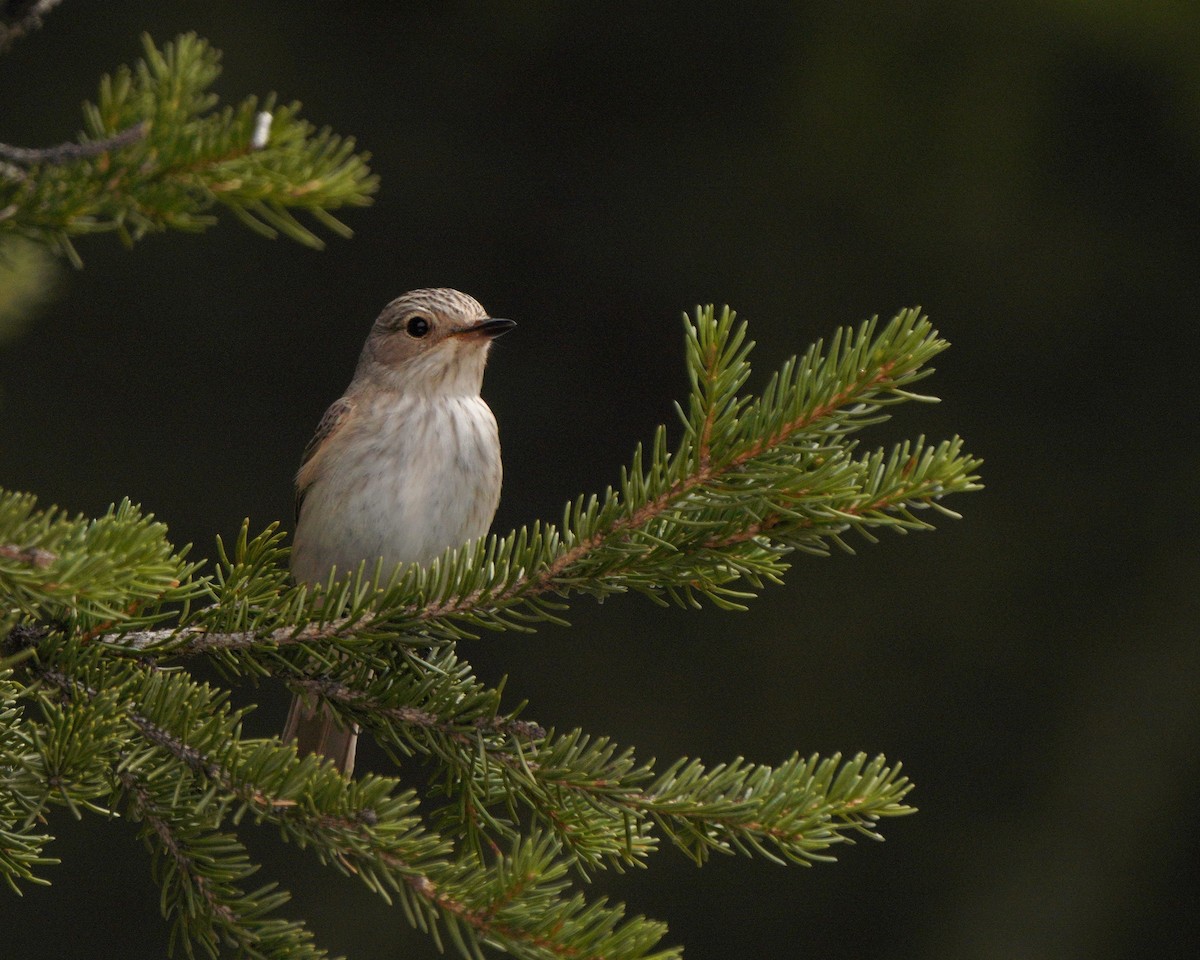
(96, 616)
(21, 785)
(784, 476)
(423, 719)
(174, 848)
(199, 870)
(156, 154)
(362, 827)
(567, 780)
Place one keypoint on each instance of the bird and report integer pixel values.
(405, 464)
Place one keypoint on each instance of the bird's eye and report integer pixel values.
(417, 326)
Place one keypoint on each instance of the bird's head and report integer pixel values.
(433, 340)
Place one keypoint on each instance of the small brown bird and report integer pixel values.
(403, 466)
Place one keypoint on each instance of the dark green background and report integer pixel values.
(1027, 171)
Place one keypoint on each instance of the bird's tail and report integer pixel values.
(316, 731)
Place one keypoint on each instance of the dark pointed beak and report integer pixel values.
(490, 328)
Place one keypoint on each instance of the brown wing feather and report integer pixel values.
(335, 418)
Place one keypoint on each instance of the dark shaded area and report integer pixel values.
(1026, 171)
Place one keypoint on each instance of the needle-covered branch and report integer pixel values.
(190, 777)
(101, 617)
(157, 153)
(752, 480)
(596, 797)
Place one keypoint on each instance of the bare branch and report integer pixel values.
(191, 641)
(10, 33)
(74, 151)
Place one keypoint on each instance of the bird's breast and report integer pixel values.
(412, 478)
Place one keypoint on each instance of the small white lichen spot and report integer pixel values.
(262, 130)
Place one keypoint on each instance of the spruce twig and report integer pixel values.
(157, 154)
(98, 615)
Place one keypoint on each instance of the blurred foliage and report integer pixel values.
(28, 273)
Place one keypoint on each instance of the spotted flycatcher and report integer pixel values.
(403, 466)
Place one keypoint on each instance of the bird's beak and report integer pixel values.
(490, 328)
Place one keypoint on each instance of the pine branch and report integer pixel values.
(157, 155)
(752, 480)
(363, 827)
(21, 785)
(97, 615)
(596, 798)
(118, 568)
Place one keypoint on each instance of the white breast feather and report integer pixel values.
(424, 475)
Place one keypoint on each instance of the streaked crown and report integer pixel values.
(431, 340)
(433, 304)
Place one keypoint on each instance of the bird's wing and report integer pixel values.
(336, 417)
